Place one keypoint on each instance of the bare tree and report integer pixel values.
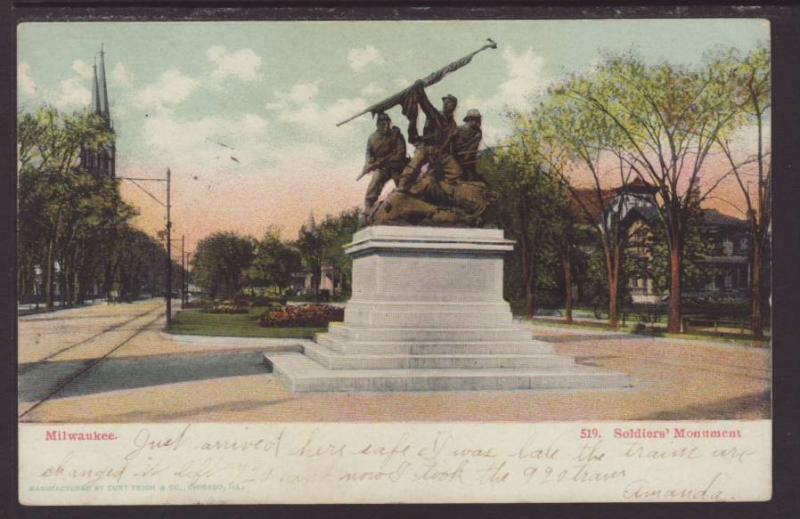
(752, 95)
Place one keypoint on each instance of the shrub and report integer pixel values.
(297, 316)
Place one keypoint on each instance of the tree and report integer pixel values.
(751, 81)
(65, 214)
(337, 231)
(137, 265)
(667, 118)
(323, 245)
(650, 257)
(310, 244)
(274, 262)
(572, 135)
(220, 261)
(531, 197)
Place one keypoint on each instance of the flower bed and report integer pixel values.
(296, 316)
(225, 308)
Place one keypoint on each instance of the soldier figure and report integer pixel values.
(466, 141)
(435, 147)
(386, 156)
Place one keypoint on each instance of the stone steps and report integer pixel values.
(428, 335)
(334, 360)
(299, 373)
(426, 319)
(446, 347)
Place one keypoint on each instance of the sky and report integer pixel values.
(244, 113)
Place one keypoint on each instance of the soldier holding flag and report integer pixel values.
(435, 147)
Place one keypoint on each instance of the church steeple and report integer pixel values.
(95, 89)
(100, 162)
(103, 88)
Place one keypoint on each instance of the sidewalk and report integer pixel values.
(31, 308)
(158, 377)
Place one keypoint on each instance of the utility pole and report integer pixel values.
(169, 257)
(183, 271)
(135, 181)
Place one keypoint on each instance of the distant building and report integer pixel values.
(727, 237)
(303, 281)
(100, 162)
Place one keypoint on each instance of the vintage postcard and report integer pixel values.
(394, 261)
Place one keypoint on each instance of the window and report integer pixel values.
(727, 247)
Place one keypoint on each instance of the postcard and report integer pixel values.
(417, 261)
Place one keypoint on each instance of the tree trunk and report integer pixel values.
(755, 292)
(49, 278)
(529, 308)
(675, 287)
(527, 275)
(612, 270)
(567, 287)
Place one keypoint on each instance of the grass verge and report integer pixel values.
(195, 322)
(742, 340)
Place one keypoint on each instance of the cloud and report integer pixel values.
(243, 64)
(172, 88)
(83, 69)
(25, 82)
(299, 93)
(206, 144)
(300, 106)
(361, 58)
(252, 123)
(524, 79)
(372, 90)
(73, 93)
(121, 76)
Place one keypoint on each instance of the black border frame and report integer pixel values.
(785, 31)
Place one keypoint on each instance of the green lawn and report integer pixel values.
(195, 322)
(659, 331)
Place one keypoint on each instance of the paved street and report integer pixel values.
(111, 363)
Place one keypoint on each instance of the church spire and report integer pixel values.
(95, 89)
(103, 88)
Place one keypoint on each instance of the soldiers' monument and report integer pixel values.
(427, 309)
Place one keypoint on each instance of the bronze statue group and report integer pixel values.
(439, 184)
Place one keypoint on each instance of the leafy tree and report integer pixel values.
(667, 118)
(323, 245)
(220, 261)
(274, 263)
(567, 135)
(311, 245)
(137, 265)
(531, 200)
(751, 95)
(651, 259)
(337, 231)
(65, 214)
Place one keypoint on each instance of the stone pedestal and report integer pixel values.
(427, 313)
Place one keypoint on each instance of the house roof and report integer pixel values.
(586, 200)
(714, 217)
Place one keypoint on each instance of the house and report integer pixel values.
(727, 240)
